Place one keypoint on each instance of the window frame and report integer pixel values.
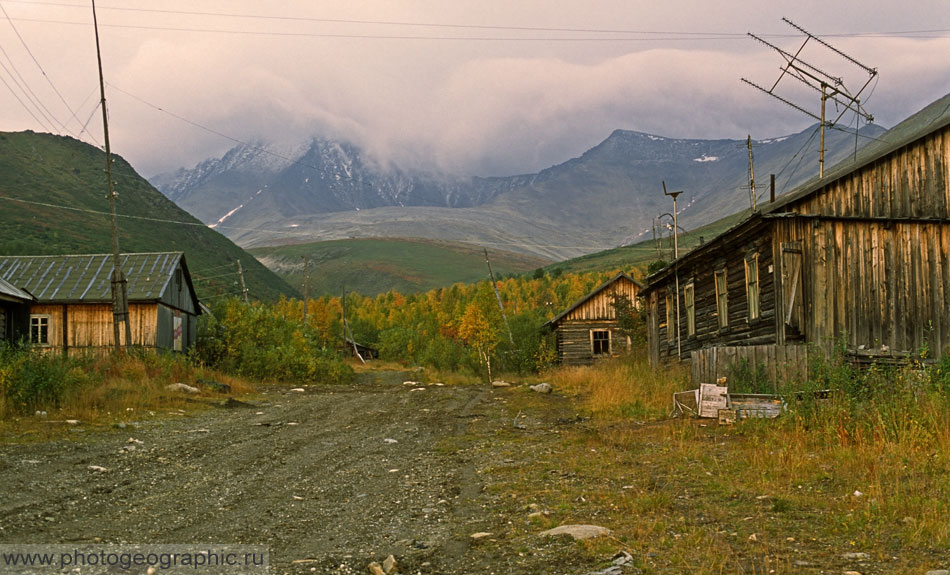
(752, 286)
(40, 324)
(594, 341)
(670, 319)
(722, 297)
(689, 302)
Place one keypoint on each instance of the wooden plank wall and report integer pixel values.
(910, 183)
(90, 325)
(877, 253)
(880, 286)
(784, 364)
(598, 306)
(740, 330)
(574, 345)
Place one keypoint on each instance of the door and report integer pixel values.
(793, 304)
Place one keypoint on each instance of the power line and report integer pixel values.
(705, 35)
(42, 71)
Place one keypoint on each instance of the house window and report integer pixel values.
(670, 319)
(39, 329)
(600, 341)
(689, 298)
(752, 285)
(722, 299)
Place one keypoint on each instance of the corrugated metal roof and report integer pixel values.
(12, 292)
(86, 278)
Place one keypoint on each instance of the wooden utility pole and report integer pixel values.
(120, 297)
(347, 334)
(306, 287)
(243, 286)
(501, 306)
(752, 173)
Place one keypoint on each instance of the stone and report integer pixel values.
(542, 388)
(181, 387)
(298, 390)
(499, 383)
(938, 572)
(98, 468)
(376, 569)
(856, 556)
(578, 532)
(480, 535)
(389, 565)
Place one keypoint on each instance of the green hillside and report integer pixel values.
(54, 200)
(372, 266)
(646, 252)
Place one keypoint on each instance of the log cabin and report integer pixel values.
(71, 309)
(859, 259)
(589, 329)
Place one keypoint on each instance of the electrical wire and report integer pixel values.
(40, 67)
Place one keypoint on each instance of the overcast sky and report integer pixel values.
(486, 87)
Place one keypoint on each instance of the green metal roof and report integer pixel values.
(86, 278)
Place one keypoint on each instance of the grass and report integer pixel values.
(790, 495)
(373, 266)
(96, 390)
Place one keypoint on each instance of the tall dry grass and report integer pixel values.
(622, 388)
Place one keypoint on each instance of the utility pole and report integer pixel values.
(306, 287)
(676, 268)
(752, 172)
(494, 284)
(120, 297)
(243, 286)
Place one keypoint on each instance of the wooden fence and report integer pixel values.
(781, 363)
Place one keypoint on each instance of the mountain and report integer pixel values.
(54, 200)
(321, 177)
(609, 196)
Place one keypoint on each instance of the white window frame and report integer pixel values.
(41, 323)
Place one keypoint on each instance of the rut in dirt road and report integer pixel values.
(331, 477)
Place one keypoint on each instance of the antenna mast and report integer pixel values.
(830, 87)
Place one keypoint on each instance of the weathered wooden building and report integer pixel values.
(72, 305)
(589, 329)
(14, 313)
(861, 257)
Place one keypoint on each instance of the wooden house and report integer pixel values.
(72, 300)
(860, 257)
(14, 313)
(589, 329)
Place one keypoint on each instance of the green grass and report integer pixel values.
(373, 266)
(791, 495)
(54, 200)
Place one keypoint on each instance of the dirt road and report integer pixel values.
(328, 479)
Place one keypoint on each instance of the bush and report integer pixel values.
(256, 341)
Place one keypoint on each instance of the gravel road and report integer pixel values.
(329, 479)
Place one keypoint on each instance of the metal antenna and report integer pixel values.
(830, 87)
